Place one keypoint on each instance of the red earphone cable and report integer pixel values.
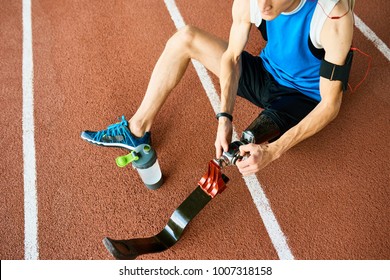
(369, 57)
(332, 17)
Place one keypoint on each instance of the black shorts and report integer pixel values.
(285, 106)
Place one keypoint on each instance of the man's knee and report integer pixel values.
(183, 38)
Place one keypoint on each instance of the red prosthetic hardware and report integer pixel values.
(213, 181)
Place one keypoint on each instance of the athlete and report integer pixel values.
(297, 80)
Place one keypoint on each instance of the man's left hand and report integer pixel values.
(256, 157)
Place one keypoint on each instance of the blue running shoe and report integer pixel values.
(116, 135)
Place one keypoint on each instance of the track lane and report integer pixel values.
(11, 165)
(333, 197)
(88, 69)
(329, 199)
(375, 13)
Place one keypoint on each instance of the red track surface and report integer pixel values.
(92, 62)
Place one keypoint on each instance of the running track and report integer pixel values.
(90, 62)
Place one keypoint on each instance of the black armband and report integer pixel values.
(335, 72)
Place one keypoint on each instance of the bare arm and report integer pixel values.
(230, 70)
(336, 37)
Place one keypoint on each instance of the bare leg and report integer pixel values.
(189, 42)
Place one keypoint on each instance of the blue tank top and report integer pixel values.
(287, 55)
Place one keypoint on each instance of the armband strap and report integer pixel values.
(335, 72)
(223, 114)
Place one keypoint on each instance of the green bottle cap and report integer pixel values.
(122, 161)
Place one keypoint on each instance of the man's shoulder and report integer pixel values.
(337, 33)
(341, 8)
(340, 20)
(241, 9)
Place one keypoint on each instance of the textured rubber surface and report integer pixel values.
(92, 62)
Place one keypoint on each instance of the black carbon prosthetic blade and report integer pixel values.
(132, 248)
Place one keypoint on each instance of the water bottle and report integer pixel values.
(144, 159)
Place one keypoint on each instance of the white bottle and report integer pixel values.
(148, 167)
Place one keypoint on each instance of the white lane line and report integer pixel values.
(263, 206)
(30, 190)
(370, 35)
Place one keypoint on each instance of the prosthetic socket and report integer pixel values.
(262, 129)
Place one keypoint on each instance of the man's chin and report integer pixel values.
(268, 16)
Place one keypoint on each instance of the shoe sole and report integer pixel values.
(111, 145)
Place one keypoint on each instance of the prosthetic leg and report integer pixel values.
(261, 130)
(213, 182)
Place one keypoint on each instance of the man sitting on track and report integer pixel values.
(298, 78)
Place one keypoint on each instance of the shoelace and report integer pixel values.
(112, 130)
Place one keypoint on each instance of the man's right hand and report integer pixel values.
(224, 136)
